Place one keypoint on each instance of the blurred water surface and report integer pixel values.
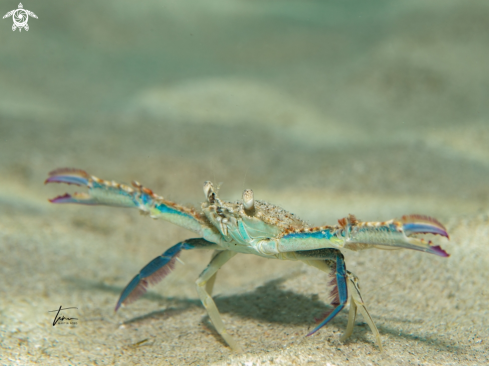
(383, 99)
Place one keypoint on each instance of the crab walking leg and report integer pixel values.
(356, 301)
(340, 293)
(110, 193)
(158, 269)
(351, 321)
(209, 286)
(207, 275)
(346, 288)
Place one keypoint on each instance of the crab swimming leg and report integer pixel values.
(345, 288)
(102, 192)
(161, 266)
(158, 269)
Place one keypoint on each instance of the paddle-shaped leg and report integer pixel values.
(207, 276)
(158, 269)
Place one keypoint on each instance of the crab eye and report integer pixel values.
(248, 199)
(208, 189)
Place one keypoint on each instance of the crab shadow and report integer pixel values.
(271, 303)
(268, 302)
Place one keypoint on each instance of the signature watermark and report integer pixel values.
(20, 17)
(63, 319)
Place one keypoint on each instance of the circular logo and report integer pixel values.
(20, 18)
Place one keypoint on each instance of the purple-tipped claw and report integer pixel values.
(420, 224)
(437, 250)
(82, 198)
(66, 198)
(68, 176)
(423, 228)
(79, 181)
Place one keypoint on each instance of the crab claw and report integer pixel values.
(100, 192)
(437, 250)
(82, 198)
(69, 176)
(418, 224)
(396, 234)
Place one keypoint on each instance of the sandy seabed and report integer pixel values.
(389, 118)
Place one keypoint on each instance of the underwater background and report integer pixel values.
(325, 108)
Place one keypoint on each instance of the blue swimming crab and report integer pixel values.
(254, 227)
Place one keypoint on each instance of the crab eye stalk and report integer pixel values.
(209, 191)
(248, 200)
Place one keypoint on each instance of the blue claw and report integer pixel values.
(68, 175)
(414, 228)
(81, 198)
(420, 224)
(79, 181)
(71, 176)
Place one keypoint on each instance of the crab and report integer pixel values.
(254, 227)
